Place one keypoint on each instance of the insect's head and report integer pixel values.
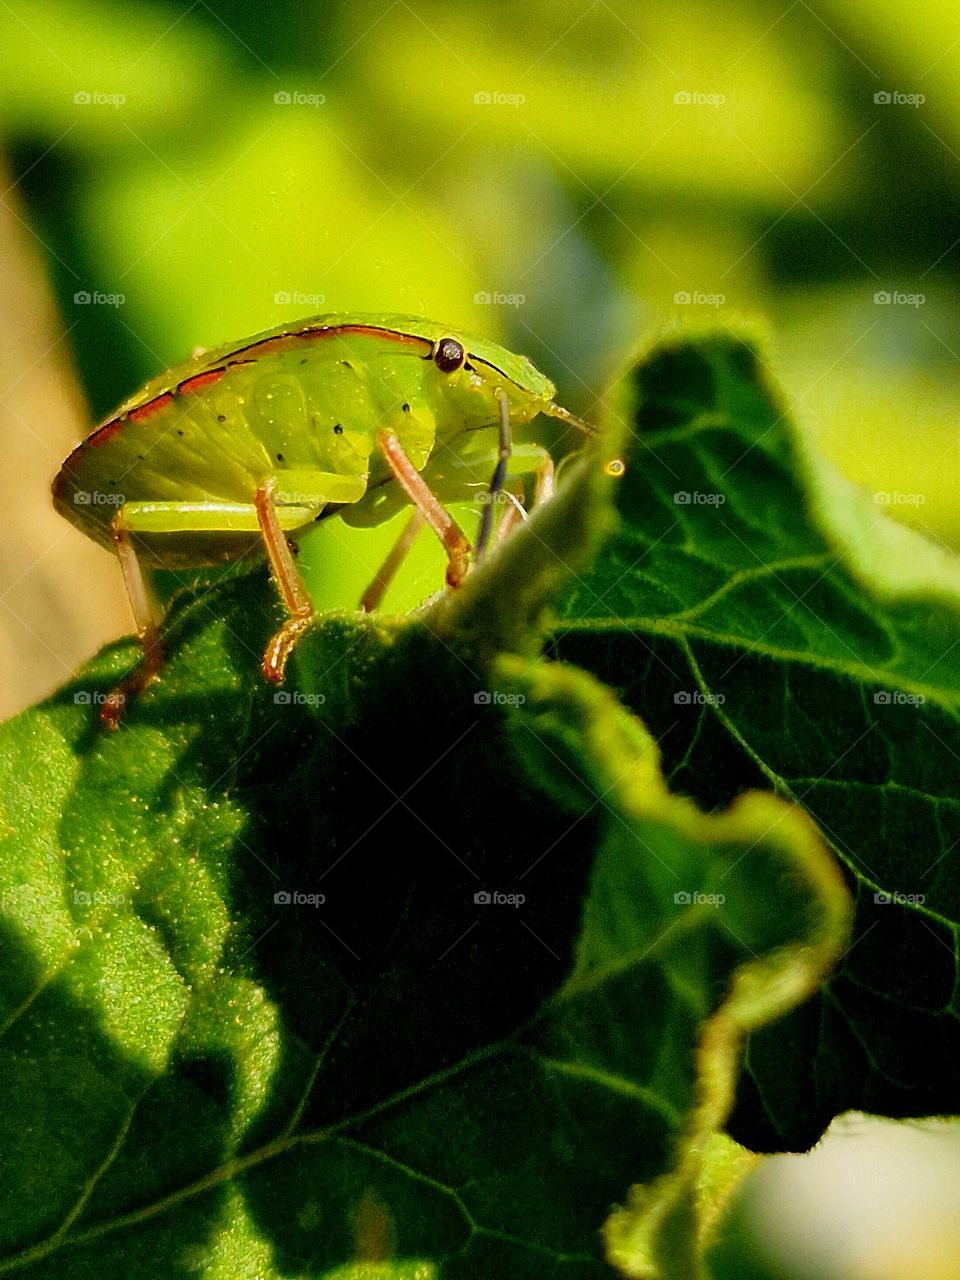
(487, 370)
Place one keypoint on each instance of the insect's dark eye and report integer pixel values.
(449, 355)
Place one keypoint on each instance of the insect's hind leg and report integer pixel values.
(157, 518)
(141, 606)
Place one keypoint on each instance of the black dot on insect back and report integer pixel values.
(180, 432)
(338, 428)
(280, 457)
(221, 417)
(405, 408)
(449, 355)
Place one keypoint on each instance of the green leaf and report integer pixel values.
(202, 1077)
(419, 966)
(774, 628)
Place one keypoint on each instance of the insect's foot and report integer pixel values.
(273, 664)
(130, 687)
(117, 701)
(281, 646)
(113, 708)
(458, 566)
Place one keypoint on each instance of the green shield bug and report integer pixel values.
(241, 449)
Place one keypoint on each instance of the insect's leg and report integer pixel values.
(292, 587)
(387, 572)
(295, 493)
(543, 492)
(512, 516)
(141, 606)
(426, 501)
(153, 518)
(505, 448)
(286, 503)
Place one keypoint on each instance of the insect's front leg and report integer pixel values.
(543, 492)
(505, 448)
(426, 501)
(543, 488)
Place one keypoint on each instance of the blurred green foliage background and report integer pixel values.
(562, 175)
(224, 168)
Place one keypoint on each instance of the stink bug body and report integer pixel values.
(241, 449)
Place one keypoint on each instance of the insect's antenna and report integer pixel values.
(558, 411)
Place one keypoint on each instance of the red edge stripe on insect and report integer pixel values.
(266, 346)
(191, 386)
(263, 347)
(110, 429)
(143, 411)
(102, 434)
